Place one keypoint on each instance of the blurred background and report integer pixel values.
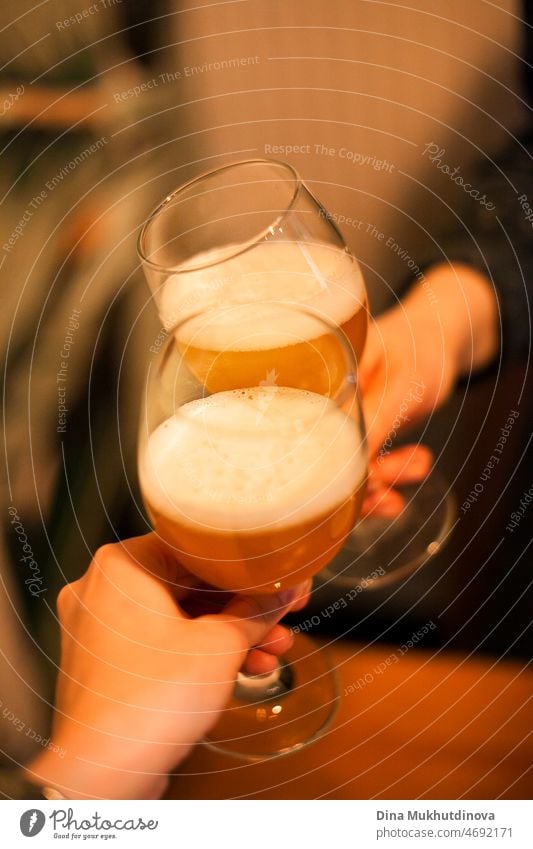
(105, 107)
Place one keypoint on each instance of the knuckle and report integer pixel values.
(64, 601)
(105, 553)
(235, 638)
(104, 559)
(61, 602)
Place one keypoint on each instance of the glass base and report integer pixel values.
(386, 549)
(273, 717)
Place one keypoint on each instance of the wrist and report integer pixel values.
(77, 776)
(458, 304)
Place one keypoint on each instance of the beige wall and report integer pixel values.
(378, 79)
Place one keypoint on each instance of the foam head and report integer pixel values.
(252, 459)
(249, 291)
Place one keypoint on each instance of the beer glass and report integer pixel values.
(255, 487)
(252, 233)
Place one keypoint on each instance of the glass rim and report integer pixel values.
(162, 205)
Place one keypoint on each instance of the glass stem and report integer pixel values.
(258, 688)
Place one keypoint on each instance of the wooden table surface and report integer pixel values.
(431, 725)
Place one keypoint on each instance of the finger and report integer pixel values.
(259, 663)
(379, 409)
(381, 401)
(383, 501)
(277, 641)
(152, 554)
(203, 600)
(406, 464)
(389, 411)
(304, 596)
(254, 616)
(373, 356)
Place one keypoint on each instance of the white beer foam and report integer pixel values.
(240, 303)
(245, 459)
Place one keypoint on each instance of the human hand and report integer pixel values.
(446, 327)
(414, 354)
(404, 376)
(140, 680)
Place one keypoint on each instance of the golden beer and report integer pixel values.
(255, 489)
(244, 335)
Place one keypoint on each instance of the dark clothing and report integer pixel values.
(499, 243)
(14, 786)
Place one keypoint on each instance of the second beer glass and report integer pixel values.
(256, 488)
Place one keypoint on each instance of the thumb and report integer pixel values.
(378, 410)
(255, 616)
(372, 359)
